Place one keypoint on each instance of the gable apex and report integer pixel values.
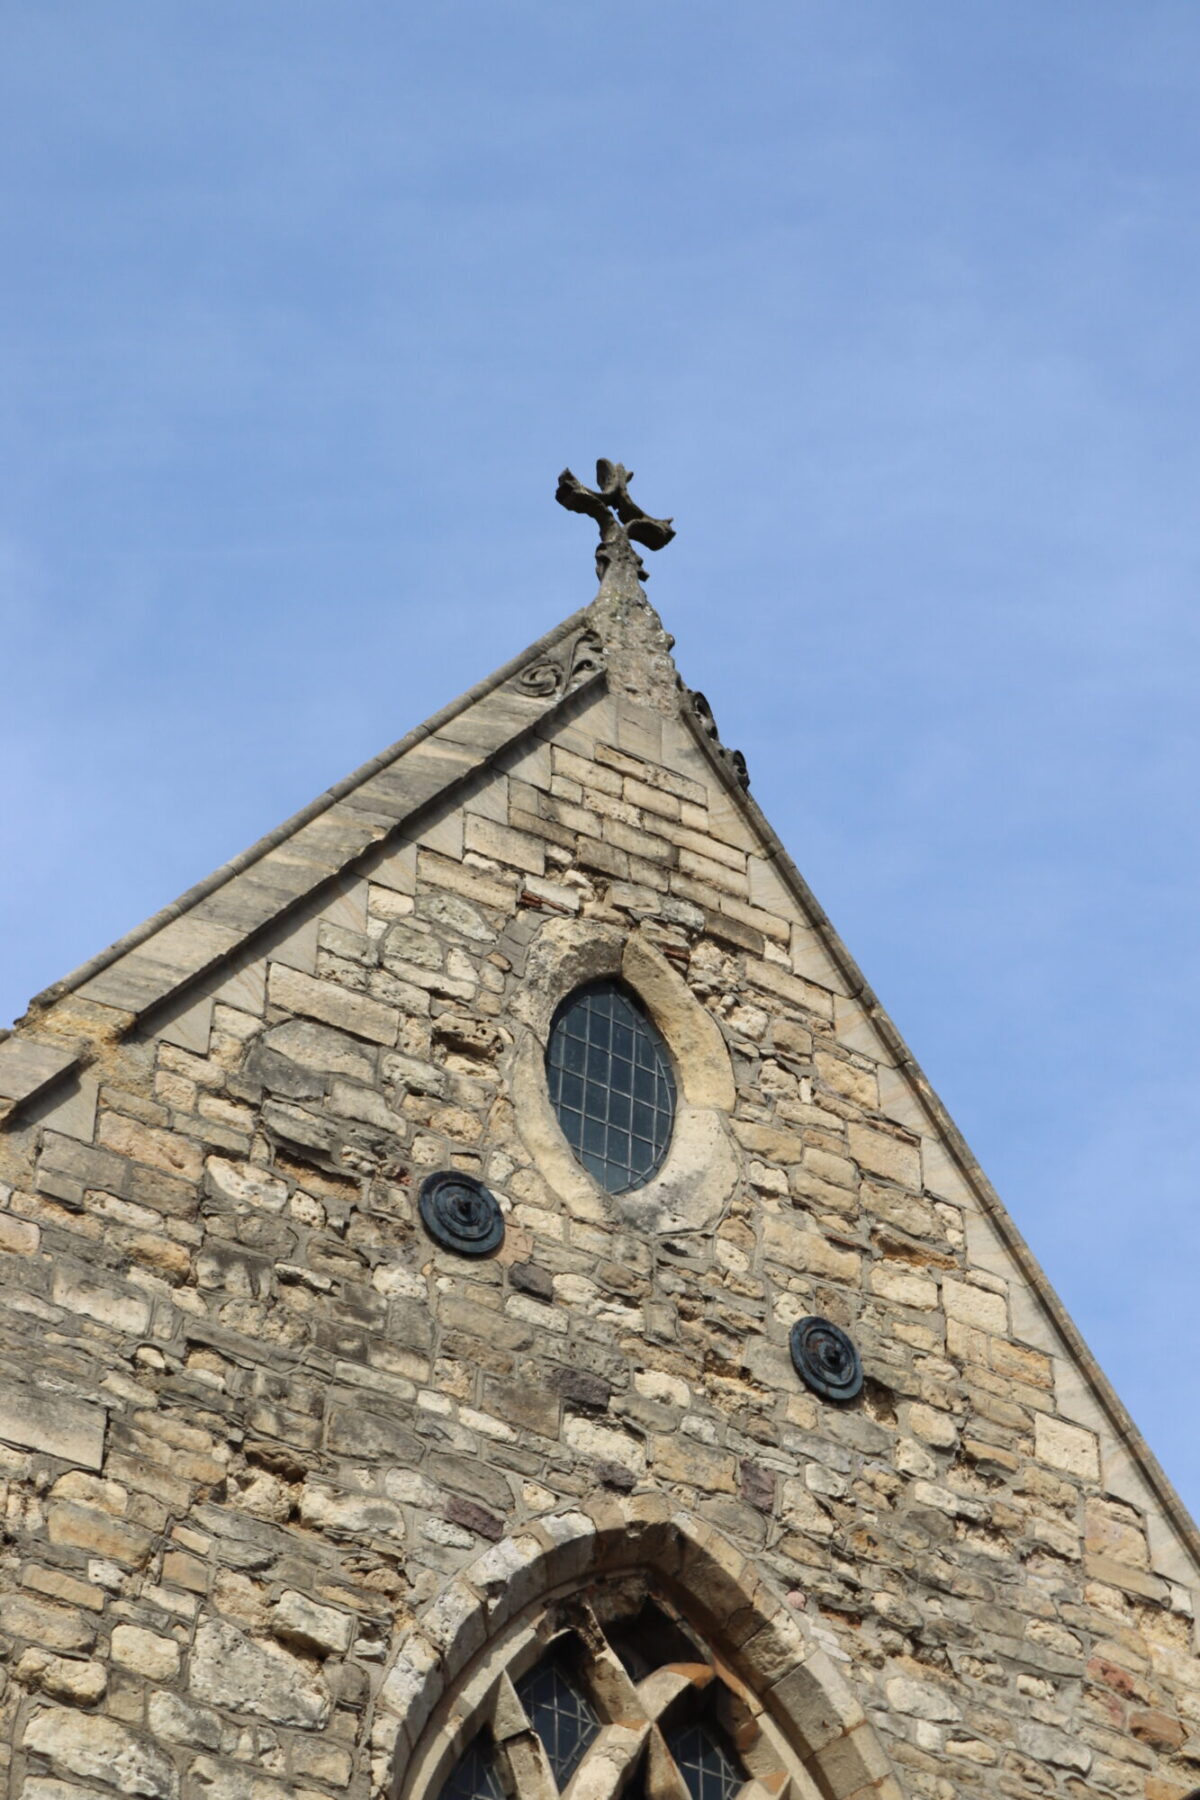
(107, 995)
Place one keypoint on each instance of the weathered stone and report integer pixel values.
(370, 1435)
(62, 1677)
(249, 1675)
(882, 1153)
(47, 1420)
(473, 1517)
(366, 1515)
(330, 1004)
(49, 1627)
(90, 1528)
(99, 1749)
(1046, 1745)
(1067, 1447)
(298, 1620)
(145, 1652)
(104, 1301)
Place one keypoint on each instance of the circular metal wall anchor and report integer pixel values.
(826, 1358)
(460, 1214)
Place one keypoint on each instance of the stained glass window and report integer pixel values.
(474, 1775)
(622, 1676)
(706, 1766)
(611, 1085)
(560, 1715)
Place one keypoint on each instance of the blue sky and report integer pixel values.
(893, 307)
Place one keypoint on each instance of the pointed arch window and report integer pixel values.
(613, 1696)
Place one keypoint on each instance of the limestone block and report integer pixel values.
(322, 1049)
(975, 1306)
(330, 1004)
(62, 1677)
(501, 844)
(301, 1621)
(1045, 1745)
(103, 1301)
(245, 1185)
(251, 1675)
(48, 1627)
(147, 1144)
(100, 1749)
(603, 1443)
(1067, 1447)
(350, 1515)
(354, 1432)
(175, 1720)
(145, 1652)
(694, 1465)
(26, 1066)
(933, 1427)
(880, 1153)
(39, 1419)
(48, 1787)
(896, 1282)
(846, 1078)
(90, 1528)
(774, 980)
(921, 1700)
(791, 1241)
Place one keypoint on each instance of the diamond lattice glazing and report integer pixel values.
(710, 1773)
(613, 1691)
(474, 1776)
(611, 1085)
(561, 1717)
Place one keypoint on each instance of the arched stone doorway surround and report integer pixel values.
(429, 1701)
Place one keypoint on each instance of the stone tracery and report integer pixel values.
(613, 1693)
(665, 1630)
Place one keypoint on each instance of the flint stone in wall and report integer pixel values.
(248, 1676)
(53, 1424)
(101, 1750)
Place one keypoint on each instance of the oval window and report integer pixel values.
(611, 1085)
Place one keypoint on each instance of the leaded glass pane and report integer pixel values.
(561, 1717)
(611, 1085)
(707, 1768)
(474, 1776)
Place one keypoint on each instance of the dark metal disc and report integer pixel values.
(460, 1214)
(826, 1358)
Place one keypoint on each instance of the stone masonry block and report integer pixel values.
(41, 1419)
(356, 1013)
(99, 1749)
(880, 1153)
(1067, 1447)
(502, 845)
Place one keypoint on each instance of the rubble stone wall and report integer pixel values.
(253, 1423)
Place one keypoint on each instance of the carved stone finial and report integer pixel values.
(619, 517)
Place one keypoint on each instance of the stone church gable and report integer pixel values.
(294, 1494)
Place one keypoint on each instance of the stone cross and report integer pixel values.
(619, 517)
